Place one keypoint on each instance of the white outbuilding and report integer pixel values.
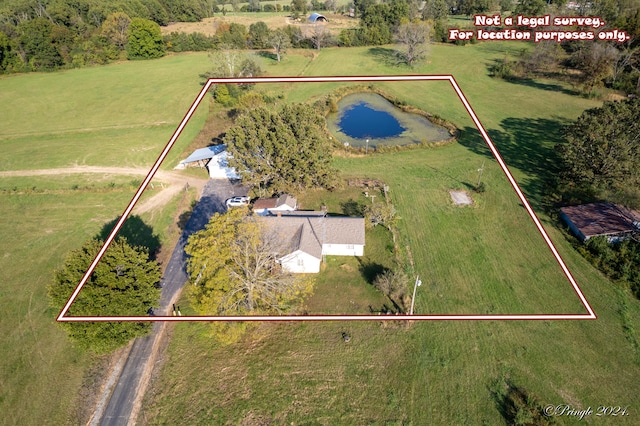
(214, 158)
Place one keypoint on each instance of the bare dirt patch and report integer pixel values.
(461, 198)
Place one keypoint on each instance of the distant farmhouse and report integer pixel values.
(214, 158)
(308, 236)
(601, 219)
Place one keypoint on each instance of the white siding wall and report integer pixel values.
(284, 208)
(299, 262)
(219, 167)
(343, 249)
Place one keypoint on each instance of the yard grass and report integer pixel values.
(41, 372)
(485, 258)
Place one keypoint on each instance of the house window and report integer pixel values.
(350, 247)
(300, 261)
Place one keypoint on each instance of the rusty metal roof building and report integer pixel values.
(601, 219)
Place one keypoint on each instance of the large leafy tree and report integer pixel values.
(35, 40)
(234, 270)
(414, 37)
(279, 40)
(282, 150)
(144, 40)
(602, 153)
(124, 283)
(116, 27)
(234, 37)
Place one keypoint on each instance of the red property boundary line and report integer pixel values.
(590, 315)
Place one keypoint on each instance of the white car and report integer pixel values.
(237, 201)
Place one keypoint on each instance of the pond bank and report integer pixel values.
(417, 128)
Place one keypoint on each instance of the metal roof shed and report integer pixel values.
(316, 17)
(203, 154)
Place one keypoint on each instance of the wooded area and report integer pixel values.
(601, 161)
(51, 34)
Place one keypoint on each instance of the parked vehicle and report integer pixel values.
(237, 201)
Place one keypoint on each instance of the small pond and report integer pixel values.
(363, 116)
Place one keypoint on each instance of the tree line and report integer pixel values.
(42, 35)
(601, 63)
(38, 35)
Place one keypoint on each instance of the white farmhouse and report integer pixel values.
(306, 239)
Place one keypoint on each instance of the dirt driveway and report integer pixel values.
(172, 182)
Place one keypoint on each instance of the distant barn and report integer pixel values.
(316, 17)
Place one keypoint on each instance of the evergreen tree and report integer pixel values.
(124, 283)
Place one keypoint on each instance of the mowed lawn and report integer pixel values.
(485, 259)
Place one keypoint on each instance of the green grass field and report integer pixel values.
(117, 115)
(484, 259)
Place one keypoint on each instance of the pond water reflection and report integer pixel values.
(369, 116)
(360, 121)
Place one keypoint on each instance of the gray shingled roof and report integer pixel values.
(309, 233)
(286, 199)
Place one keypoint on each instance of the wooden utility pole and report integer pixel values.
(480, 170)
(417, 284)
